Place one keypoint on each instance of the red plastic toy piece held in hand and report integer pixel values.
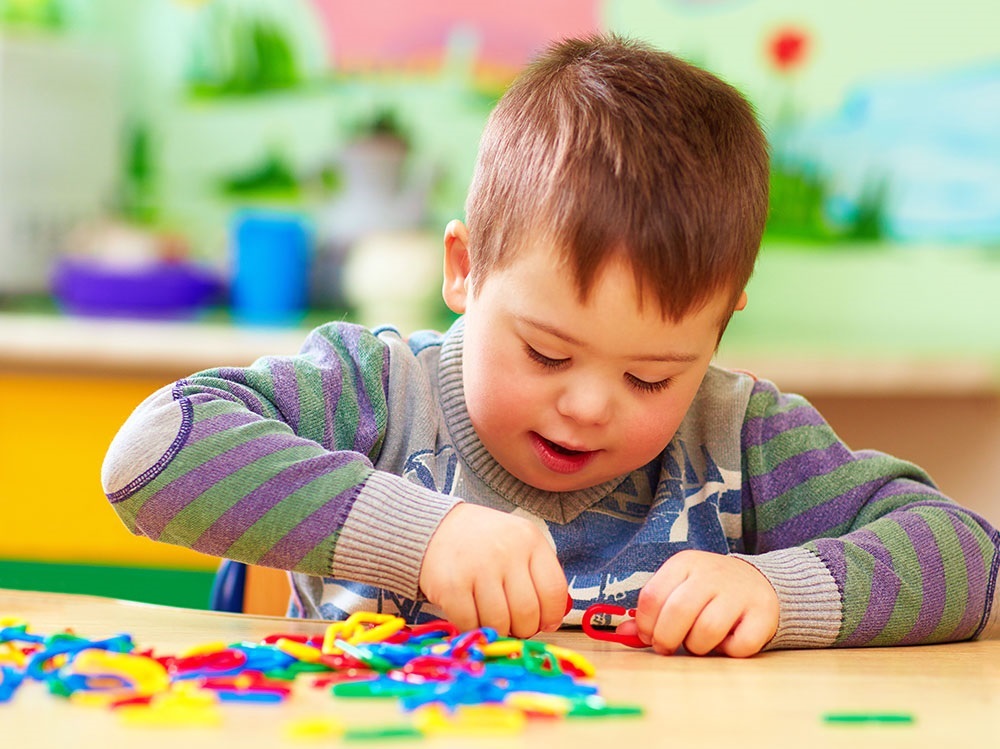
(632, 641)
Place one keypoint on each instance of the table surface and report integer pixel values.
(772, 700)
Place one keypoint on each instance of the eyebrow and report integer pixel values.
(562, 335)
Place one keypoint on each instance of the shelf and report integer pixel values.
(174, 349)
(126, 347)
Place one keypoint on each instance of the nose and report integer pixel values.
(585, 401)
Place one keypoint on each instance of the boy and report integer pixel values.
(568, 434)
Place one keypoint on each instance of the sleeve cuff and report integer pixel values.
(810, 606)
(385, 536)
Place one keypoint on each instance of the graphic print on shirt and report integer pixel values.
(342, 598)
(611, 550)
(437, 470)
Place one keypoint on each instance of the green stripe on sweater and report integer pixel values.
(857, 589)
(195, 455)
(909, 599)
(205, 509)
(275, 524)
(956, 574)
(764, 458)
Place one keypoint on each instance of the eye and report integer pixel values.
(648, 387)
(542, 359)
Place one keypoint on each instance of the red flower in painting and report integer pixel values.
(787, 48)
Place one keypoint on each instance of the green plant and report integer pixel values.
(868, 223)
(796, 205)
(243, 52)
(136, 199)
(36, 14)
(272, 175)
(382, 122)
(799, 200)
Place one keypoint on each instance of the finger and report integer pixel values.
(522, 603)
(627, 628)
(491, 606)
(549, 583)
(748, 637)
(678, 615)
(712, 625)
(459, 608)
(654, 595)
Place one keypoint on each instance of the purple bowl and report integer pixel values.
(162, 290)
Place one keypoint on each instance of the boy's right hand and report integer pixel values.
(487, 568)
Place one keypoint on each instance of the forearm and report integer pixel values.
(925, 573)
(206, 473)
(907, 564)
(920, 575)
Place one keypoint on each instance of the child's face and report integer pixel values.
(568, 395)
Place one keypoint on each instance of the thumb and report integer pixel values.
(629, 628)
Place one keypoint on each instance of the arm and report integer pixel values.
(860, 547)
(272, 465)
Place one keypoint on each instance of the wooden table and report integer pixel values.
(773, 700)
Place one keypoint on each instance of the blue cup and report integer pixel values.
(272, 252)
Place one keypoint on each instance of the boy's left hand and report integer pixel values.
(706, 602)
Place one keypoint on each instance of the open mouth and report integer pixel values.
(556, 447)
(559, 458)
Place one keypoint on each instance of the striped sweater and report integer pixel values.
(337, 464)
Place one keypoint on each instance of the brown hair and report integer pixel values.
(608, 147)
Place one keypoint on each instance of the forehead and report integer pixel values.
(539, 282)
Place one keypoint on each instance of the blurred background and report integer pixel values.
(192, 183)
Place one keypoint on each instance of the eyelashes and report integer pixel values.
(545, 361)
(648, 387)
(634, 382)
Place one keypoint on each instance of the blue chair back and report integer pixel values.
(229, 587)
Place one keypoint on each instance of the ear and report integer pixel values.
(457, 265)
(741, 303)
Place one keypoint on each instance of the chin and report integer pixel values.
(559, 483)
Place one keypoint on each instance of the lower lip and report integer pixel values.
(558, 462)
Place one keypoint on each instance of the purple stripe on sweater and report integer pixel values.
(286, 384)
(796, 469)
(333, 385)
(233, 374)
(885, 587)
(761, 429)
(237, 387)
(832, 554)
(319, 350)
(235, 521)
(312, 531)
(366, 433)
(933, 588)
(336, 365)
(164, 505)
(816, 521)
(978, 581)
(219, 422)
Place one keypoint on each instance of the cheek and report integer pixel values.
(652, 427)
(493, 400)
